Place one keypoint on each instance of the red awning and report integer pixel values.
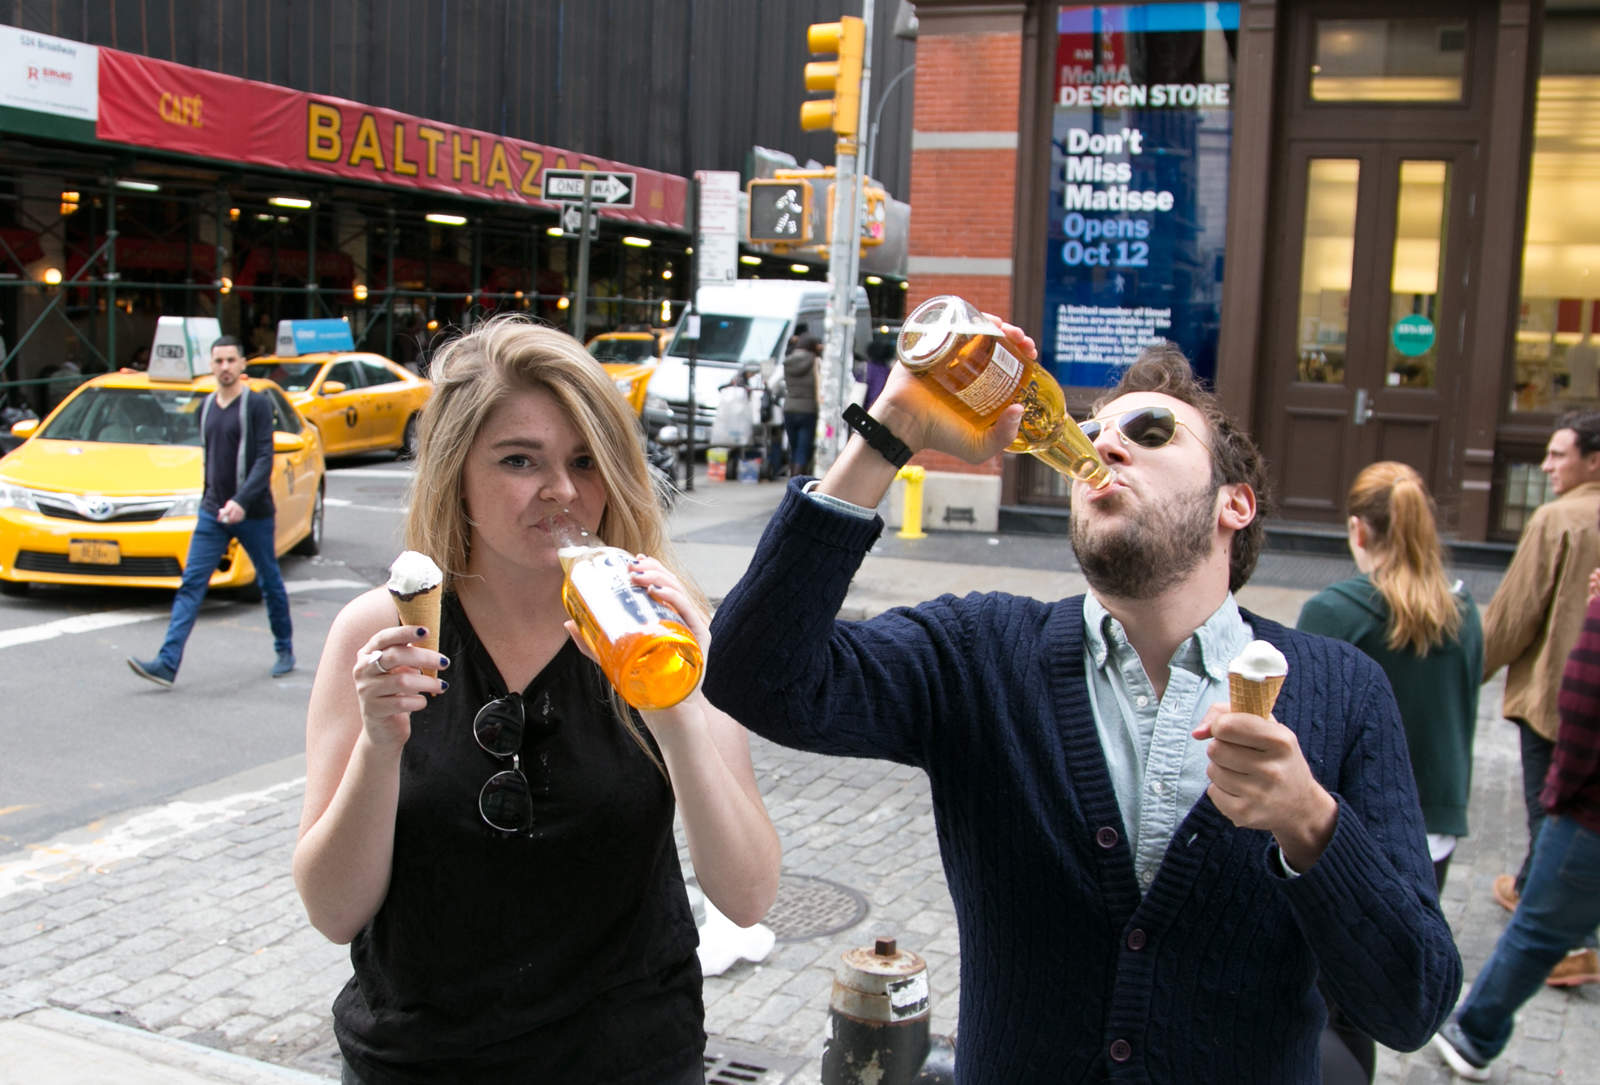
(153, 254)
(291, 263)
(413, 274)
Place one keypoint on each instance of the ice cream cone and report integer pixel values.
(421, 610)
(417, 586)
(1254, 696)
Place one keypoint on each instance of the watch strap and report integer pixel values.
(877, 435)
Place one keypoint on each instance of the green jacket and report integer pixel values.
(1437, 693)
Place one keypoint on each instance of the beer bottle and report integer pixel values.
(644, 646)
(962, 356)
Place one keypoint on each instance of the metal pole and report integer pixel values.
(837, 376)
(388, 301)
(312, 282)
(111, 270)
(580, 307)
(689, 311)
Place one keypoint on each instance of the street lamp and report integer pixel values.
(877, 115)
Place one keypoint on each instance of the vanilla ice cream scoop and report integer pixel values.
(1258, 662)
(413, 572)
(1254, 678)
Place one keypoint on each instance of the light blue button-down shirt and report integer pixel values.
(1157, 770)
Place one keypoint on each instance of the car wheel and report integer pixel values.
(311, 545)
(14, 587)
(408, 441)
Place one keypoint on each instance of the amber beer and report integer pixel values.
(962, 356)
(644, 646)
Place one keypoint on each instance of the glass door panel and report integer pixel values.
(1327, 267)
(1414, 317)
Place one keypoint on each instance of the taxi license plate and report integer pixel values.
(94, 552)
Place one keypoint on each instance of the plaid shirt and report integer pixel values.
(1572, 789)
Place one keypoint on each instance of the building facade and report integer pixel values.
(1375, 228)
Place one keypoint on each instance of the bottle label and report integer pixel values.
(618, 605)
(996, 386)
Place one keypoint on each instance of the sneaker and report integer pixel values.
(1505, 892)
(284, 665)
(1459, 1054)
(154, 670)
(1578, 967)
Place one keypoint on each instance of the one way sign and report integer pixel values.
(606, 189)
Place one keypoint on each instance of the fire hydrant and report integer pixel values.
(878, 1022)
(911, 516)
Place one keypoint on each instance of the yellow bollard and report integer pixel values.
(911, 517)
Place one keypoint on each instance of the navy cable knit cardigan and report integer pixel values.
(1067, 974)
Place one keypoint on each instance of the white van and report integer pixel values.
(744, 327)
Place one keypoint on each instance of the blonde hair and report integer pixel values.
(472, 374)
(1408, 571)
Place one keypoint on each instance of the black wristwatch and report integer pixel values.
(877, 435)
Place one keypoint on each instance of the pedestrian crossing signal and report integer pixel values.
(779, 212)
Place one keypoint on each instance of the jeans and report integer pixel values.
(205, 550)
(1536, 754)
(1559, 905)
(801, 430)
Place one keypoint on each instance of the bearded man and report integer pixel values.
(1147, 885)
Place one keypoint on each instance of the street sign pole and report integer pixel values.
(580, 304)
(838, 369)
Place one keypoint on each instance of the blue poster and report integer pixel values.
(1138, 186)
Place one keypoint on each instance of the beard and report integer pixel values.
(1149, 550)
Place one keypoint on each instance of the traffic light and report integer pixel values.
(847, 37)
(780, 212)
(874, 220)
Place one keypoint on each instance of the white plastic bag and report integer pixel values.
(731, 427)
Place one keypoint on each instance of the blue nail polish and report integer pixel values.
(444, 661)
(443, 685)
(421, 632)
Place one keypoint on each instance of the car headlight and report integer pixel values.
(624, 385)
(16, 497)
(657, 404)
(186, 505)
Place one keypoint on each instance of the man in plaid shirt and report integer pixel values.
(1561, 900)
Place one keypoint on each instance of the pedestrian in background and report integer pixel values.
(1560, 900)
(800, 401)
(1148, 885)
(1425, 634)
(236, 436)
(535, 927)
(880, 356)
(1531, 625)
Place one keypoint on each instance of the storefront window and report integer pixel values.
(1389, 60)
(1557, 357)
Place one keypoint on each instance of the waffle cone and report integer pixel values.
(1252, 696)
(422, 611)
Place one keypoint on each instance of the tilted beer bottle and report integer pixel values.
(644, 646)
(962, 356)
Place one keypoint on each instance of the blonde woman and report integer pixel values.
(496, 843)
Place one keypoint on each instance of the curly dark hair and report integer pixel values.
(1162, 367)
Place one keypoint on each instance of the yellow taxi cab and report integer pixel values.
(359, 402)
(630, 358)
(106, 489)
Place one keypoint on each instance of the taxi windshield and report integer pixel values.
(131, 416)
(631, 349)
(290, 376)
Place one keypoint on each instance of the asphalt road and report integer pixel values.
(84, 737)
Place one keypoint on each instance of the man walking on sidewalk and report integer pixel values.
(236, 434)
(1147, 884)
(1531, 626)
(1560, 903)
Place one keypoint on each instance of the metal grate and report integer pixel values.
(813, 907)
(729, 1062)
(37, 561)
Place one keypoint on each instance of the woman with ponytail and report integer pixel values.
(1425, 634)
(1400, 610)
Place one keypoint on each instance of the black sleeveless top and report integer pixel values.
(565, 954)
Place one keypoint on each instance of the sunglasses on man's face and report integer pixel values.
(1147, 427)
(501, 727)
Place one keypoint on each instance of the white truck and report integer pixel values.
(745, 327)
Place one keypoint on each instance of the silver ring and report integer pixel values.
(376, 659)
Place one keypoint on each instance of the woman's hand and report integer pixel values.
(390, 684)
